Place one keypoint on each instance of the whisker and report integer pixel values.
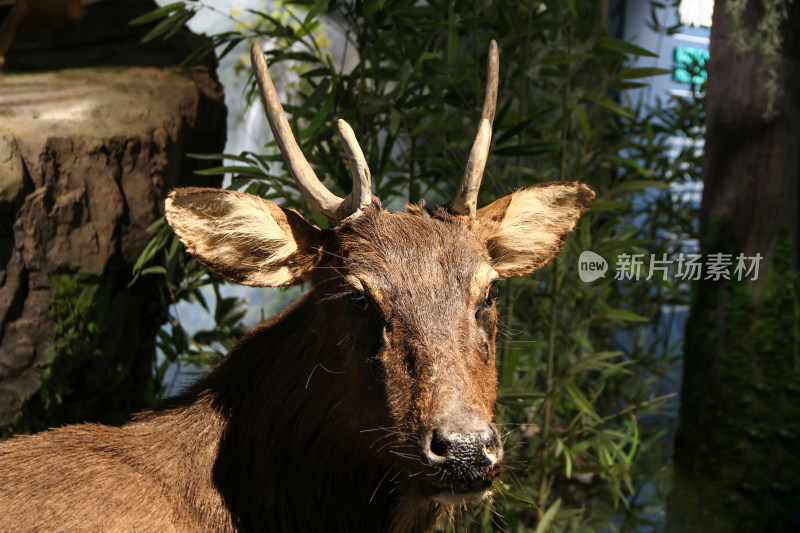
(379, 484)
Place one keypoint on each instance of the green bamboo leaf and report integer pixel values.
(585, 233)
(610, 247)
(394, 121)
(632, 163)
(371, 8)
(604, 455)
(511, 132)
(426, 56)
(516, 498)
(157, 13)
(208, 336)
(321, 116)
(168, 26)
(317, 8)
(311, 104)
(452, 35)
(580, 447)
(179, 24)
(513, 395)
(567, 464)
(531, 148)
(437, 126)
(240, 170)
(214, 157)
(152, 248)
(608, 103)
(316, 73)
(174, 257)
(564, 59)
(200, 52)
(619, 315)
(559, 447)
(509, 368)
(610, 44)
(548, 517)
(580, 400)
(595, 361)
(639, 185)
(584, 121)
(156, 225)
(601, 206)
(634, 439)
(199, 297)
(154, 270)
(643, 72)
(620, 85)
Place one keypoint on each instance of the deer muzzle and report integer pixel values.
(468, 461)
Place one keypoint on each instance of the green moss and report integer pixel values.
(740, 408)
(79, 305)
(762, 33)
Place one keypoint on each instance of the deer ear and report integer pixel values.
(526, 229)
(243, 237)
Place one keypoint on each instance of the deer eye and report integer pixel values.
(490, 296)
(357, 301)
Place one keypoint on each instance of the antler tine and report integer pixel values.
(362, 180)
(321, 199)
(466, 199)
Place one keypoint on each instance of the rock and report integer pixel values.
(86, 158)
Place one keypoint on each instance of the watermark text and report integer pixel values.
(683, 267)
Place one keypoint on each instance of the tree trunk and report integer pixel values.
(737, 449)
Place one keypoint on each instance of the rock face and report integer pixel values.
(86, 158)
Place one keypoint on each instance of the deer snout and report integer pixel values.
(480, 448)
(469, 461)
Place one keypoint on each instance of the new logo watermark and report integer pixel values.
(591, 266)
(684, 267)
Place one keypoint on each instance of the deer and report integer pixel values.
(367, 405)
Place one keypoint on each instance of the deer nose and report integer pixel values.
(455, 451)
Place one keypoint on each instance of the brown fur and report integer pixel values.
(316, 420)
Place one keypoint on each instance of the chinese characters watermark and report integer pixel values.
(684, 267)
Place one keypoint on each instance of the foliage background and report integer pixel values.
(584, 367)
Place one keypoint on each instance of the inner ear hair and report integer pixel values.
(242, 237)
(526, 229)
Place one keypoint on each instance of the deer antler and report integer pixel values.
(362, 180)
(332, 207)
(466, 199)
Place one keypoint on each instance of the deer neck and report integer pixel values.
(290, 439)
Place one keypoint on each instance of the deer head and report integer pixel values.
(407, 300)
